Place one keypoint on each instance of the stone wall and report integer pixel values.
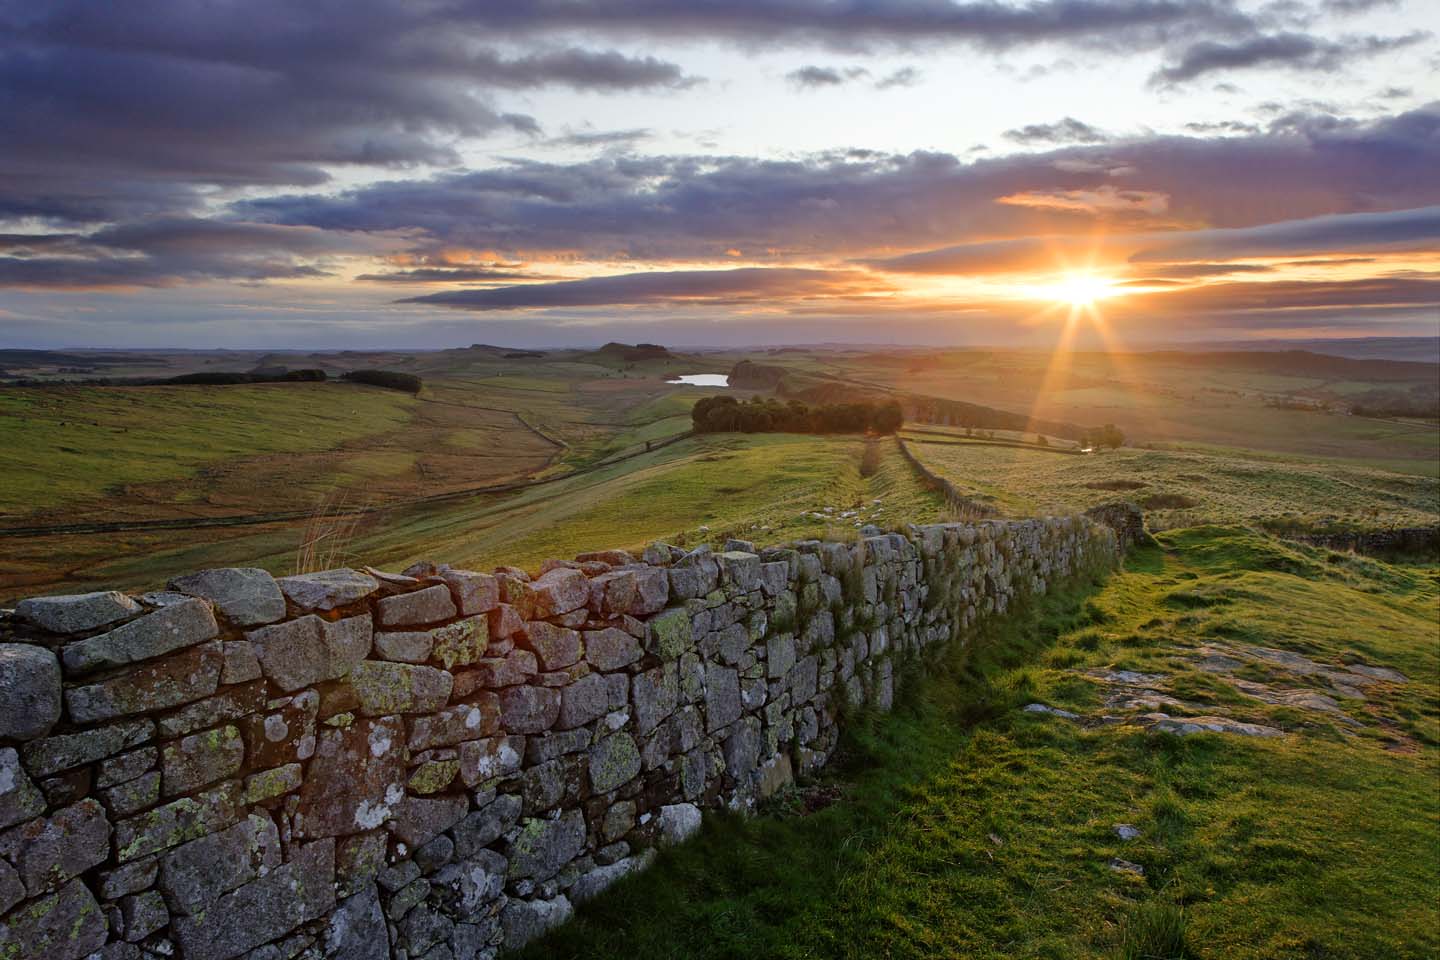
(438, 764)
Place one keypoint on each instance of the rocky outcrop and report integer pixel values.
(438, 764)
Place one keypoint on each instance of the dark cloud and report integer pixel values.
(1417, 229)
(1293, 51)
(602, 138)
(164, 252)
(817, 78)
(709, 287)
(451, 275)
(1066, 130)
(857, 204)
(904, 77)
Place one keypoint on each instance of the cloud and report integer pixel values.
(1104, 199)
(451, 275)
(602, 138)
(1067, 130)
(709, 287)
(1293, 51)
(904, 77)
(815, 78)
(1417, 229)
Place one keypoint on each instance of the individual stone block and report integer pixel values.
(411, 646)
(69, 750)
(462, 642)
(369, 758)
(542, 847)
(283, 734)
(611, 649)
(176, 822)
(303, 652)
(213, 711)
(241, 664)
(557, 647)
(29, 691)
(143, 914)
(613, 762)
(48, 851)
(430, 605)
(505, 622)
(20, 799)
(740, 569)
(168, 629)
(76, 613)
(722, 697)
(132, 796)
(516, 667)
(327, 589)
(358, 859)
(195, 874)
(247, 596)
(678, 822)
(131, 878)
(483, 827)
(670, 634)
(155, 685)
(473, 592)
(557, 592)
(655, 694)
(356, 930)
(385, 688)
(779, 655)
(67, 925)
(201, 758)
(584, 700)
(464, 721)
(268, 784)
(528, 709)
(489, 759)
(525, 920)
(543, 786)
(551, 745)
(264, 909)
(419, 820)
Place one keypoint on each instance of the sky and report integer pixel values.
(352, 174)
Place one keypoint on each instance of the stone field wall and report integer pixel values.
(439, 764)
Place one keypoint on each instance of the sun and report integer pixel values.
(1082, 289)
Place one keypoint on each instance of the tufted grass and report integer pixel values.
(966, 827)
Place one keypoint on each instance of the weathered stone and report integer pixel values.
(132, 796)
(595, 882)
(484, 826)
(195, 874)
(473, 592)
(722, 697)
(412, 646)
(241, 664)
(452, 725)
(543, 786)
(68, 787)
(130, 878)
(67, 925)
(48, 851)
(358, 860)
(263, 909)
(369, 759)
(327, 589)
(20, 799)
(65, 751)
(283, 734)
(385, 688)
(166, 630)
(430, 605)
(611, 649)
(303, 652)
(613, 761)
(525, 920)
(201, 758)
(548, 746)
(670, 634)
(542, 847)
(420, 820)
(779, 655)
(678, 822)
(556, 647)
(246, 596)
(505, 622)
(29, 691)
(268, 784)
(356, 929)
(529, 709)
(559, 591)
(155, 685)
(462, 642)
(515, 668)
(432, 776)
(655, 694)
(212, 711)
(176, 822)
(484, 760)
(78, 612)
(143, 914)
(804, 680)
(740, 569)
(472, 885)
(584, 700)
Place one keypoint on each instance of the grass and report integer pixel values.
(1183, 488)
(970, 828)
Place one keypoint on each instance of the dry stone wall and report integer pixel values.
(440, 764)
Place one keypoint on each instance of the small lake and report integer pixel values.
(703, 380)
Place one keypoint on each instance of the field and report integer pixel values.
(963, 825)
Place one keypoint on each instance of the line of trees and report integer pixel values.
(724, 414)
(390, 379)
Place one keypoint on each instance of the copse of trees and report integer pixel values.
(222, 378)
(390, 379)
(724, 414)
(1109, 436)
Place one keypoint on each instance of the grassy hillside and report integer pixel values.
(963, 825)
(1182, 488)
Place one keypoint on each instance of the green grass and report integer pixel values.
(967, 827)
(60, 445)
(1217, 488)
